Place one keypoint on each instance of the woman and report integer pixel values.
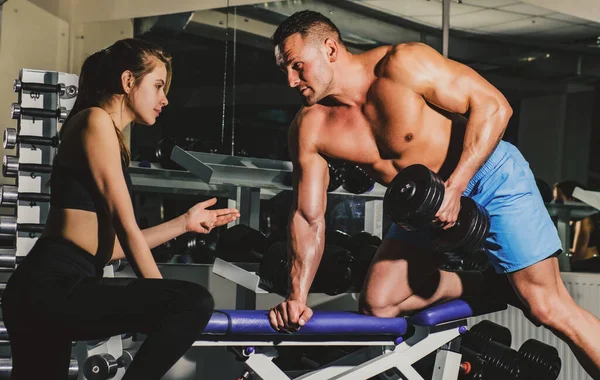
(57, 295)
(585, 233)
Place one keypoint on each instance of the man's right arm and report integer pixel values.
(306, 224)
(307, 218)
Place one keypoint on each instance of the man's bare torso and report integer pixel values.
(393, 128)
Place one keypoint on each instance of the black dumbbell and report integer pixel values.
(201, 248)
(486, 346)
(241, 243)
(9, 196)
(9, 226)
(164, 148)
(164, 252)
(355, 179)
(334, 275)
(11, 167)
(365, 247)
(273, 270)
(413, 198)
(362, 246)
(67, 92)
(11, 138)
(105, 366)
(16, 111)
(539, 361)
(335, 174)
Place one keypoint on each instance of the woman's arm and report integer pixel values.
(196, 219)
(102, 151)
(583, 231)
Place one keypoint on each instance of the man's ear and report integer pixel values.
(127, 81)
(332, 49)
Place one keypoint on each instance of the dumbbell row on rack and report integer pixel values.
(487, 355)
(12, 138)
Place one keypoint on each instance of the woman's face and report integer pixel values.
(148, 97)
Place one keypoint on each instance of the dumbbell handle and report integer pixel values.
(11, 167)
(11, 138)
(61, 89)
(17, 111)
(18, 86)
(9, 261)
(9, 195)
(9, 226)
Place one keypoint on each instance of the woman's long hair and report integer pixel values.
(100, 77)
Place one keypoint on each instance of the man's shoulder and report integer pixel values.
(310, 117)
(404, 55)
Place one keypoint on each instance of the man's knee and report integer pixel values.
(377, 306)
(552, 312)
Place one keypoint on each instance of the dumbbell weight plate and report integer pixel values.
(241, 243)
(362, 261)
(334, 275)
(273, 268)
(355, 179)
(432, 203)
(339, 239)
(406, 195)
(480, 226)
(363, 238)
(335, 175)
(482, 223)
(539, 360)
(467, 233)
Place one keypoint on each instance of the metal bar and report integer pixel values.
(445, 26)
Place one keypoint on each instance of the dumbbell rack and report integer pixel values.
(44, 100)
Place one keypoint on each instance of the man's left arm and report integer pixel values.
(456, 88)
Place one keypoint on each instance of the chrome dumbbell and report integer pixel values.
(11, 167)
(9, 196)
(8, 259)
(67, 92)
(12, 138)
(16, 111)
(9, 226)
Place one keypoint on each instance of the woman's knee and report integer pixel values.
(194, 298)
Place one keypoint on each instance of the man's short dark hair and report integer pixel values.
(306, 23)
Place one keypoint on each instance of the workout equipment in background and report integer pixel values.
(486, 355)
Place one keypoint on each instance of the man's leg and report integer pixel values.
(546, 298)
(404, 278)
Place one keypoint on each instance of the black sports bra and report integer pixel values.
(76, 189)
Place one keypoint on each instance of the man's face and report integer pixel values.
(306, 66)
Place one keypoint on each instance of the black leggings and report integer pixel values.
(55, 297)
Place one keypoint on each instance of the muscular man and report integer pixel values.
(395, 106)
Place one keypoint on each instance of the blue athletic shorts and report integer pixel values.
(521, 232)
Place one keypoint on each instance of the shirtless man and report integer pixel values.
(392, 107)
